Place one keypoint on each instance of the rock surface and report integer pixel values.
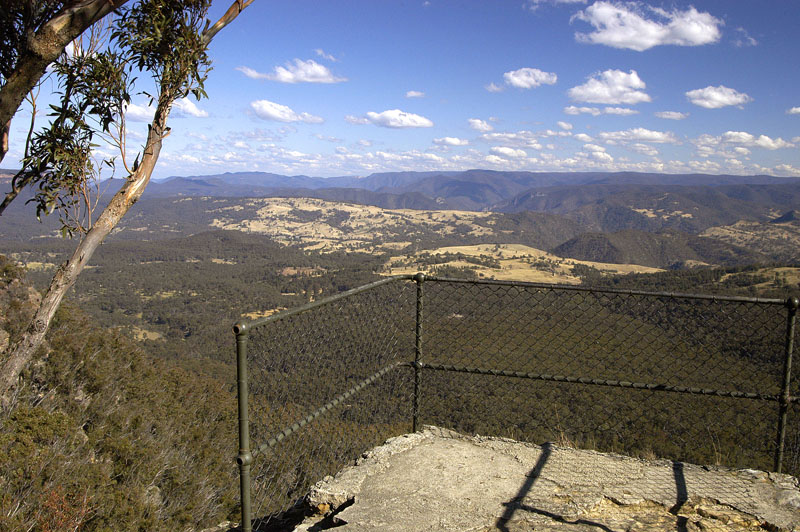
(440, 480)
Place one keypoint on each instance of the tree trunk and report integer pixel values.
(20, 354)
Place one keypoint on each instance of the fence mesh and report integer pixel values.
(302, 362)
(529, 362)
(611, 339)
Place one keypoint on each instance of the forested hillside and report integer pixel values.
(103, 436)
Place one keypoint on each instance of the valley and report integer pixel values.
(188, 260)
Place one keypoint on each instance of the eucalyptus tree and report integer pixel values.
(165, 40)
(33, 34)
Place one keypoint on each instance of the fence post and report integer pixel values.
(791, 304)
(245, 458)
(419, 279)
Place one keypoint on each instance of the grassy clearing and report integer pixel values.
(510, 262)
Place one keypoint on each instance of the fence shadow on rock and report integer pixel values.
(686, 377)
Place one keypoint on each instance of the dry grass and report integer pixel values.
(143, 334)
(336, 226)
(773, 239)
(517, 263)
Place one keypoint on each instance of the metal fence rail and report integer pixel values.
(687, 377)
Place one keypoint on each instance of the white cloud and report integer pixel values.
(793, 111)
(707, 144)
(626, 25)
(357, 120)
(504, 151)
(139, 113)
(250, 73)
(596, 111)
(480, 125)
(639, 134)
(298, 72)
(744, 39)
(451, 141)
(593, 147)
(533, 5)
(564, 125)
(768, 143)
(492, 87)
(268, 110)
(573, 110)
(320, 52)
(529, 78)
(787, 170)
(520, 139)
(415, 94)
(611, 87)
(644, 149)
(671, 115)
(583, 137)
(622, 111)
(395, 118)
(716, 97)
(185, 107)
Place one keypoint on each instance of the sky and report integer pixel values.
(355, 87)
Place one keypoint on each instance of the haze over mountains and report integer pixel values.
(659, 220)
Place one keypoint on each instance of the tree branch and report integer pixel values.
(43, 48)
(21, 353)
(233, 11)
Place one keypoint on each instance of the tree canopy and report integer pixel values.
(164, 41)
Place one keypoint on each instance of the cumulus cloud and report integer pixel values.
(529, 78)
(762, 141)
(298, 71)
(415, 94)
(451, 141)
(493, 87)
(636, 27)
(583, 137)
(611, 87)
(639, 134)
(793, 111)
(644, 149)
(708, 145)
(716, 97)
(397, 119)
(622, 111)
(184, 107)
(573, 110)
(520, 139)
(480, 125)
(787, 170)
(596, 111)
(139, 113)
(566, 126)
(505, 151)
(671, 115)
(268, 110)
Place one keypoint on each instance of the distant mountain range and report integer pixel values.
(642, 218)
(596, 200)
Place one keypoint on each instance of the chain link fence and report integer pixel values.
(690, 378)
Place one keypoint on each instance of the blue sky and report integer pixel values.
(356, 87)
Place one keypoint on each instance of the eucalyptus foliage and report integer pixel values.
(153, 38)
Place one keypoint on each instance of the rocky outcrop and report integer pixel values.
(440, 480)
